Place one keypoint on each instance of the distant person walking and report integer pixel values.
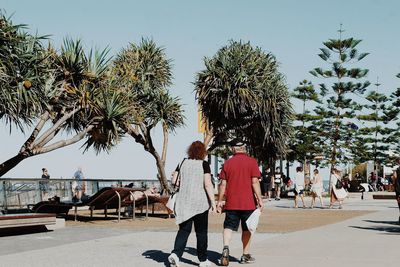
(396, 183)
(79, 185)
(337, 193)
(239, 184)
(195, 198)
(44, 184)
(316, 188)
(278, 183)
(299, 187)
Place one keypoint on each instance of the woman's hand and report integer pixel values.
(213, 208)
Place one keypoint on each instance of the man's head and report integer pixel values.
(238, 146)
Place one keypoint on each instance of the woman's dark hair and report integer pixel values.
(197, 150)
(316, 171)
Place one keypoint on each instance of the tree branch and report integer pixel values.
(165, 145)
(39, 126)
(63, 119)
(64, 143)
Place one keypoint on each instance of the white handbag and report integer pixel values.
(172, 198)
(171, 202)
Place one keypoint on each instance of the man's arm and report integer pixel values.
(257, 191)
(221, 193)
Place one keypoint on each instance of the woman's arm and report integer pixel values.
(210, 190)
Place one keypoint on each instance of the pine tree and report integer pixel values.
(394, 113)
(339, 107)
(376, 135)
(305, 145)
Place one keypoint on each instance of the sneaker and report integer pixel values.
(247, 258)
(224, 261)
(277, 199)
(206, 263)
(173, 260)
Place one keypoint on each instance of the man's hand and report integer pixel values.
(219, 206)
(260, 204)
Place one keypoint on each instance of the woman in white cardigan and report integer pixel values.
(195, 198)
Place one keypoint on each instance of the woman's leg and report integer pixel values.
(312, 200)
(332, 198)
(278, 192)
(320, 199)
(302, 200)
(182, 236)
(201, 229)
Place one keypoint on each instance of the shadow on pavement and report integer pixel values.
(23, 230)
(162, 257)
(387, 227)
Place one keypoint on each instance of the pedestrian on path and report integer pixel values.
(337, 193)
(239, 184)
(278, 183)
(396, 183)
(316, 188)
(193, 201)
(299, 187)
(44, 184)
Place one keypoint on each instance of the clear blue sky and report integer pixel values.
(190, 30)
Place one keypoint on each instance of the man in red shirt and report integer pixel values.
(241, 188)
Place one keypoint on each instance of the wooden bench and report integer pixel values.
(26, 219)
(384, 196)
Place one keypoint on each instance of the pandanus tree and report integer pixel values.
(242, 94)
(51, 93)
(144, 71)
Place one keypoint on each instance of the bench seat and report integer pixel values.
(26, 219)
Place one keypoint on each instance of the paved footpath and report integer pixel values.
(369, 240)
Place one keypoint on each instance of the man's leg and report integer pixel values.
(246, 238)
(227, 236)
(231, 224)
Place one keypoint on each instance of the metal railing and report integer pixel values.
(17, 193)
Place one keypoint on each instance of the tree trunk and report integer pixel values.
(143, 137)
(162, 177)
(11, 163)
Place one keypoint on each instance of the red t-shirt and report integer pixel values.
(238, 172)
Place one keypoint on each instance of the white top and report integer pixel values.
(192, 197)
(317, 180)
(299, 179)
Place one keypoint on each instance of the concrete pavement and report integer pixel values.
(370, 240)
